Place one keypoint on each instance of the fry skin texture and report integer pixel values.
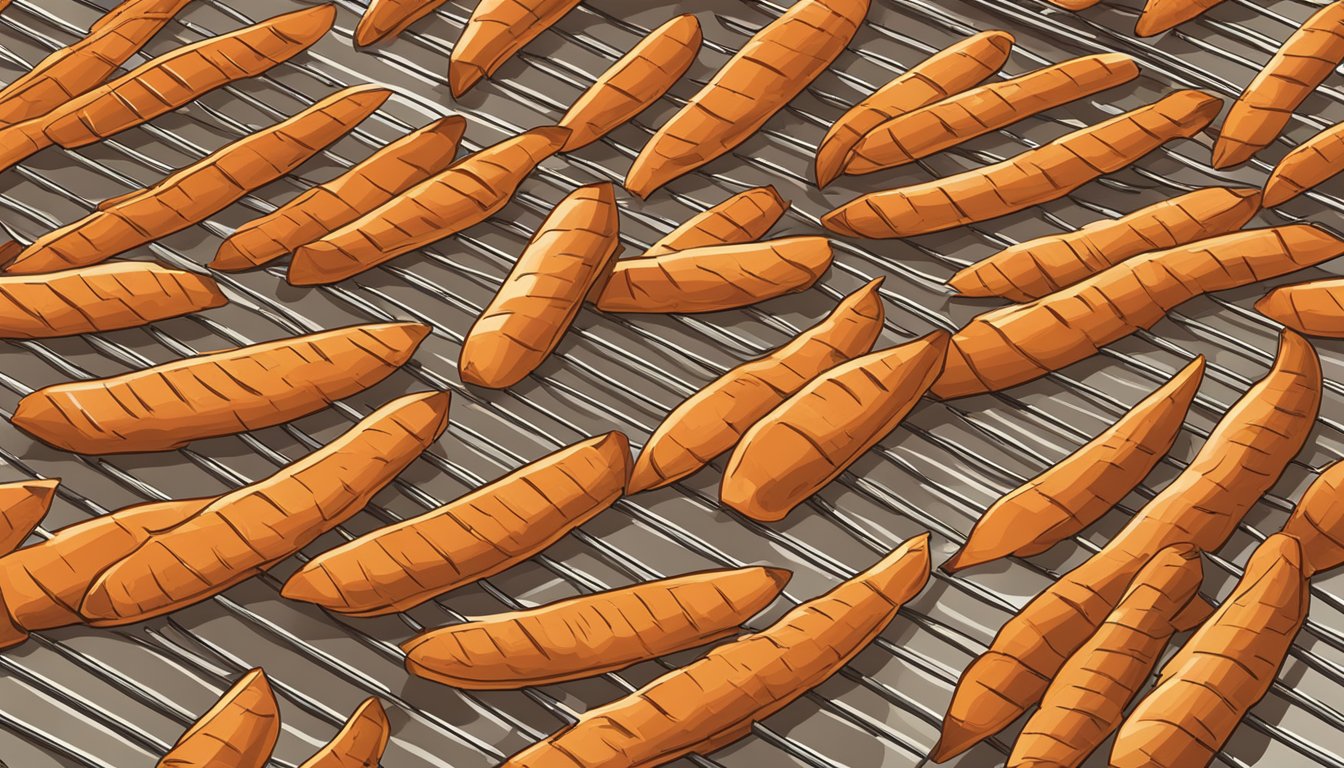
(743, 218)
(247, 531)
(773, 67)
(1006, 347)
(964, 116)
(1086, 701)
(221, 393)
(1242, 458)
(22, 507)
(814, 435)
(360, 744)
(472, 538)
(1264, 108)
(1076, 492)
(238, 732)
(1315, 308)
(712, 420)
(1036, 176)
(715, 278)
(714, 701)
(330, 206)
(633, 83)
(388, 18)
(593, 634)
(496, 31)
(952, 70)
(539, 299)
(1047, 264)
(1158, 16)
(1306, 165)
(462, 196)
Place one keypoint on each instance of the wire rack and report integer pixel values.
(81, 697)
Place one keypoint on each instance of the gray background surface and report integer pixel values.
(81, 696)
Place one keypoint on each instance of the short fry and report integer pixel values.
(496, 31)
(22, 507)
(1306, 165)
(360, 743)
(1158, 16)
(238, 732)
(1315, 308)
(389, 18)
(742, 218)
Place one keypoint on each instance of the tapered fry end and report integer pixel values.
(1318, 521)
(1277, 305)
(305, 268)
(1279, 190)
(25, 504)
(840, 222)
(954, 740)
(9, 251)
(360, 743)
(828, 165)
(960, 560)
(1230, 152)
(230, 258)
(480, 373)
(644, 477)
(778, 576)
(311, 584)
(462, 77)
(11, 634)
(38, 416)
(1149, 25)
(98, 604)
(615, 447)
(367, 33)
(967, 283)
(743, 498)
(641, 180)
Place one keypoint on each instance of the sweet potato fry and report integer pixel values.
(593, 634)
(952, 70)
(715, 278)
(1087, 699)
(1315, 308)
(360, 743)
(632, 84)
(389, 18)
(1076, 492)
(221, 393)
(1036, 176)
(1019, 343)
(964, 116)
(1037, 267)
(475, 537)
(1264, 108)
(22, 507)
(247, 531)
(712, 420)
(496, 30)
(714, 701)
(461, 196)
(774, 66)
(1158, 16)
(327, 207)
(238, 732)
(1306, 165)
(810, 438)
(206, 187)
(571, 250)
(1242, 458)
(742, 218)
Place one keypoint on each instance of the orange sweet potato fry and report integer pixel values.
(742, 218)
(238, 732)
(360, 743)
(22, 507)
(496, 31)
(389, 18)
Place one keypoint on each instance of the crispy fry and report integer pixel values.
(1076, 492)
(1036, 176)
(593, 634)
(1306, 165)
(1315, 308)
(1264, 108)
(238, 732)
(360, 743)
(814, 435)
(952, 70)
(1242, 458)
(571, 250)
(964, 116)
(1019, 343)
(475, 537)
(461, 196)
(742, 218)
(774, 66)
(1037, 267)
(715, 278)
(1158, 16)
(221, 393)
(713, 702)
(712, 420)
(632, 84)
(330, 206)
(22, 507)
(247, 531)
(496, 30)
(389, 18)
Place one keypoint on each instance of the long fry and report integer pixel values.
(1264, 108)
(22, 507)
(222, 393)
(475, 537)
(206, 187)
(1242, 458)
(462, 196)
(1077, 491)
(713, 702)
(712, 420)
(742, 218)
(715, 278)
(1037, 267)
(810, 438)
(593, 634)
(1306, 165)
(389, 18)
(952, 70)
(1019, 343)
(571, 250)
(1087, 699)
(1315, 308)
(245, 532)
(774, 66)
(1158, 16)
(360, 743)
(1036, 176)
(238, 732)
(496, 31)
(636, 81)
(933, 128)
(330, 206)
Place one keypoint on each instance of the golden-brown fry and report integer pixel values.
(389, 18)
(1315, 308)
(238, 732)
(496, 30)
(360, 743)
(22, 507)
(742, 218)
